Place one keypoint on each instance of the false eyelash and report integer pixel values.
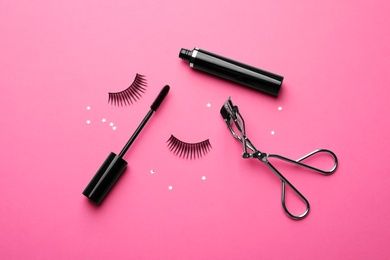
(188, 150)
(132, 93)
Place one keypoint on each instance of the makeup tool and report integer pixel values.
(233, 119)
(233, 70)
(113, 167)
(129, 95)
(188, 150)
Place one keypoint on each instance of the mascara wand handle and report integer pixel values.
(153, 108)
(136, 133)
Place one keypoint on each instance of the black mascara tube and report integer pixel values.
(233, 70)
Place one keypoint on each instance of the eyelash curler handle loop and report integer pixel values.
(315, 152)
(285, 181)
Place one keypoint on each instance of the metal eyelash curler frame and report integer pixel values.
(231, 115)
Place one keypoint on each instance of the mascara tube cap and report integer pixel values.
(232, 70)
(105, 178)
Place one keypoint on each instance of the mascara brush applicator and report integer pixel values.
(113, 167)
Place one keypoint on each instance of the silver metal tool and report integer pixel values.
(233, 119)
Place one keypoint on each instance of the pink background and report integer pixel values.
(59, 57)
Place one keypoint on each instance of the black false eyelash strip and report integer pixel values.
(188, 150)
(129, 95)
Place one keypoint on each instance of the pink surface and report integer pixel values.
(57, 59)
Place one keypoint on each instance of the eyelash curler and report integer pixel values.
(233, 118)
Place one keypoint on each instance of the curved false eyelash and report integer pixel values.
(129, 95)
(188, 150)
